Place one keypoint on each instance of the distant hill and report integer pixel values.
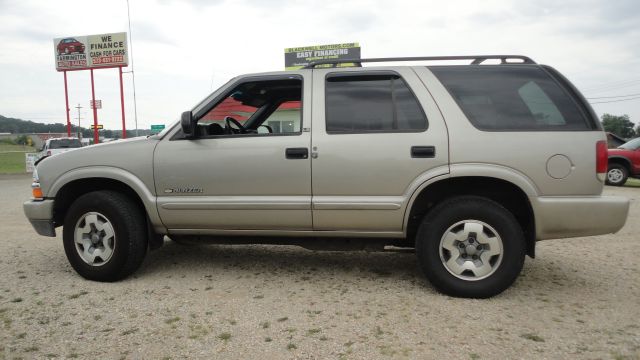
(19, 126)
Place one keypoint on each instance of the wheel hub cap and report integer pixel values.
(615, 175)
(94, 238)
(471, 250)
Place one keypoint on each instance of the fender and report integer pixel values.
(625, 159)
(136, 184)
(470, 170)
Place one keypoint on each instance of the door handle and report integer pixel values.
(296, 153)
(423, 151)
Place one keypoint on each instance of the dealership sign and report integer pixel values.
(91, 51)
(297, 58)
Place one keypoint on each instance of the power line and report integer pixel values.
(612, 101)
(611, 84)
(611, 97)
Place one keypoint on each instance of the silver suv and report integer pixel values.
(471, 165)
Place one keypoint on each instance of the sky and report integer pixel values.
(183, 50)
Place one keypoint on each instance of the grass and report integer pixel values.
(12, 159)
(129, 332)
(532, 337)
(77, 295)
(172, 320)
(224, 336)
(632, 182)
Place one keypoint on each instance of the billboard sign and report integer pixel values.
(157, 128)
(91, 51)
(97, 104)
(30, 160)
(297, 58)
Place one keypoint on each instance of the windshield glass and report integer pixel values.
(65, 143)
(631, 145)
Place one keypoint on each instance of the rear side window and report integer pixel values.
(371, 103)
(65, 144)
(511, 98)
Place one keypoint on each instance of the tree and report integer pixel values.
(619, 125)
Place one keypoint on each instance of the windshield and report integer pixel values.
(631, 145)
(65, 143)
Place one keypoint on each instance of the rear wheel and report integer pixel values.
(617, 175)
(470, 246)
(104, 235)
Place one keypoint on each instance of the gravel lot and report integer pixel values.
(579, 299)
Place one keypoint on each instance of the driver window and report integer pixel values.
(259, 107)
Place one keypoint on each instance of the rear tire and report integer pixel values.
(105, 236)
(470, 246)
(617, 175)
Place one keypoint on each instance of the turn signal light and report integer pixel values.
(37, 193)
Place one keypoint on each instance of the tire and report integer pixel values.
(114, 233)
(617, 175)
(488, 264)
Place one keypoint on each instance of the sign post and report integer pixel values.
(66, 102)
(91, 52)
(96, 139)
(124, 130)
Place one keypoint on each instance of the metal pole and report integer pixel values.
(79, 129)
(96, 139)
(124, 130)
(133, 74)
(66, 102)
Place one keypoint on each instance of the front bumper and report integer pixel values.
(565, 217)
(40, 214)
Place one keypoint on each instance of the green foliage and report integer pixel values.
(18, 126)
(619, 125)
(23, 140)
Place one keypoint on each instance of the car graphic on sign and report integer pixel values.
(69, 46)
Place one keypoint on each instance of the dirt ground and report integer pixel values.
(580, 298)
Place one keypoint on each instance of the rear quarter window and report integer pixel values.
(511, 98)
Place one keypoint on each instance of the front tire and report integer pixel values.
(470, 246)
(617, 175)
(104, 236)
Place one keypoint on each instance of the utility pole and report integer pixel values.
(133, 74)
(79, 129)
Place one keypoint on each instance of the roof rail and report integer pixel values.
(477, 59)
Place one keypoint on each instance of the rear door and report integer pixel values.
(376, 133)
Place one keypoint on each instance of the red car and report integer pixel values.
(69, 46)
(624, 162)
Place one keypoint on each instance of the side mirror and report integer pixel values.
(187, 123)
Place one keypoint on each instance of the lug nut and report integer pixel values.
(479, 247)
(461, 245)
(471, 240)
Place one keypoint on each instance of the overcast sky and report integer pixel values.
(182, 50)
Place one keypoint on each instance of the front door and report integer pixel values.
(247, 167)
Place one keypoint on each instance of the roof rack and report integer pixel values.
(477, 59)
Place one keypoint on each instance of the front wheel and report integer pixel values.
(105, 236)
(470, 246)
(617, 175)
